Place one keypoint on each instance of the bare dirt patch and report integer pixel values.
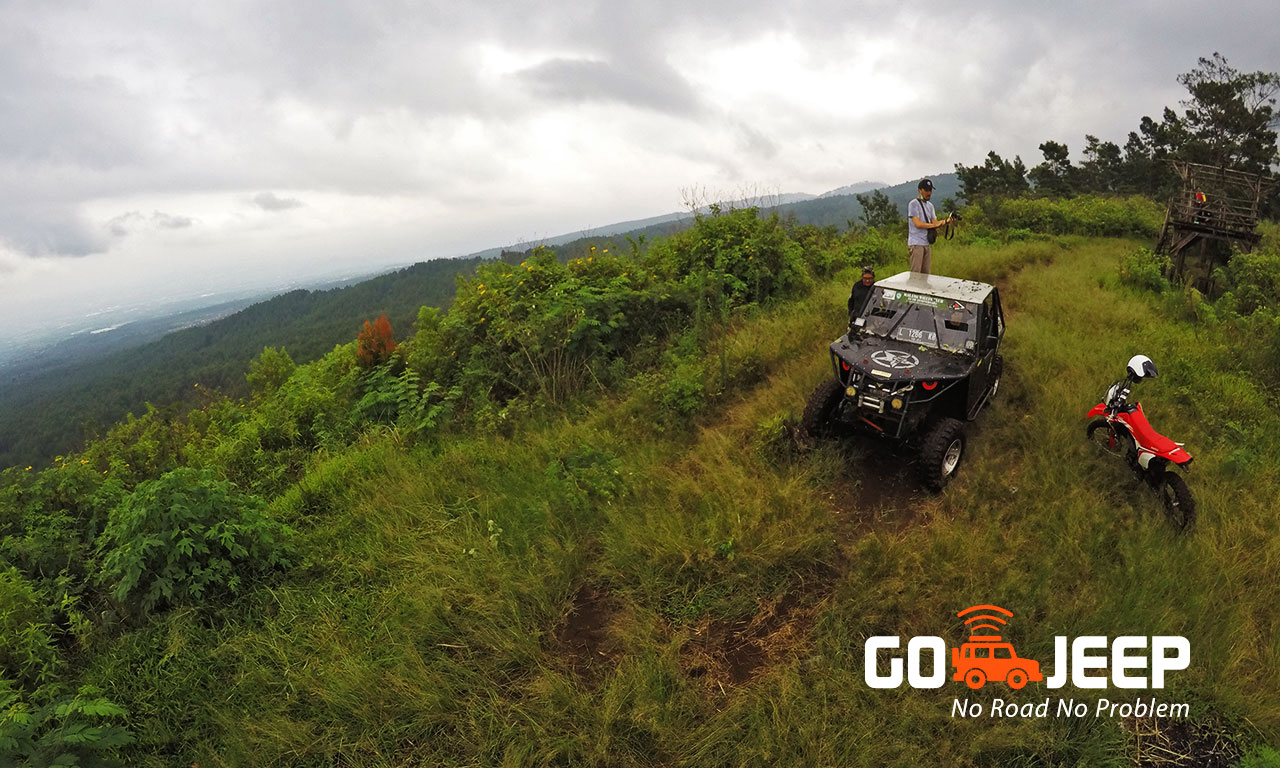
(729, 654)
(1168, 743)
(879, 490)
(583, 639)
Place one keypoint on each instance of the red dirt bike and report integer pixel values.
(1123, 431)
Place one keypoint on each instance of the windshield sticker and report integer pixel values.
(921, 300)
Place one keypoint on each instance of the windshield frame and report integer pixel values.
(911, 304)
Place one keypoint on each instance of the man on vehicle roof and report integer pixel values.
(921, 228)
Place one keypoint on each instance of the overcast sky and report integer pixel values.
(178, 148)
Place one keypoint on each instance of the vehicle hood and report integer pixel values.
(893, 360)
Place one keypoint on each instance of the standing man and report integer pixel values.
(920, 226)
(861, 292)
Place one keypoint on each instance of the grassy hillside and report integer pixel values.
(653, 572)
(46, 413)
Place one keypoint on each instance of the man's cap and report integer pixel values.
(866, 270)
(925, 184)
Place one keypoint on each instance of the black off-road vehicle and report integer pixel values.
(920, 362)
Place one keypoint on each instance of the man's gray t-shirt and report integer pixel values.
(922, 210)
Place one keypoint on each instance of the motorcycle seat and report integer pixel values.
(1146, 436)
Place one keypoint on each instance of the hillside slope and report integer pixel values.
(45, 413)
(600, 587)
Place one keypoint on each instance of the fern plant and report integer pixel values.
(399, 399)
(83, 730)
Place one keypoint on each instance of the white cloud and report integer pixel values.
(231, 137)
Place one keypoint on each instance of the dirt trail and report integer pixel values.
(583, 638)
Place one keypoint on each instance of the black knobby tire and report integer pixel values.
(941, 452)
(1111, 440)
(1178, 504)
(820, 410)
(997, 368)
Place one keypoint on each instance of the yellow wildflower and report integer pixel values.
(28, 468)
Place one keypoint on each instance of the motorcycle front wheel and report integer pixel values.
(1178, 504)
(1109, 439)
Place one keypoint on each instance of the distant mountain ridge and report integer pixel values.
(43, 408)
(636, 225)
(853, 189)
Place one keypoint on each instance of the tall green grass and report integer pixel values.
(424, 627)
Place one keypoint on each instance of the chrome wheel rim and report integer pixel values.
(952, 457)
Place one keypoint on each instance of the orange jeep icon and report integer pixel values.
(986, 657)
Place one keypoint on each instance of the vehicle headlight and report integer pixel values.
(896, 403)
(851, 391)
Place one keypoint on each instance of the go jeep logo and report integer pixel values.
(893, 359)
(987, 657)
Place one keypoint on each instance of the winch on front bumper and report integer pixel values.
(884, 403)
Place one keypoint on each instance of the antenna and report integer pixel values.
(985, 614)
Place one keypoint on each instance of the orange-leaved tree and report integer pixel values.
(375, 342)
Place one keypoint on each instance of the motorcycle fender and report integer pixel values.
(1097, 410)
(1144, 458)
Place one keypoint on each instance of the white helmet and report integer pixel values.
(1141, 367)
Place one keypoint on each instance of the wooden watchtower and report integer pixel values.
(1214, 204)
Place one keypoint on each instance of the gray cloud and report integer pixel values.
(107, 106)
(46, 229)
(128, 223)
(269, 201)
(654, 87)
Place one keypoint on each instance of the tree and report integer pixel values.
(878, 210)
(269, 371)
(1230, 116)
(1055, 177)
(375, 343)
(996, 177)
(1229, 119)
(1102, 169)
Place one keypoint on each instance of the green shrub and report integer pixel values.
(1144, 268)
(874, 249)
(185, 536)
(81, 730)
(681, 388)
(26, 636)
(1089, 215)
(1252, 281)
(1260, 757)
